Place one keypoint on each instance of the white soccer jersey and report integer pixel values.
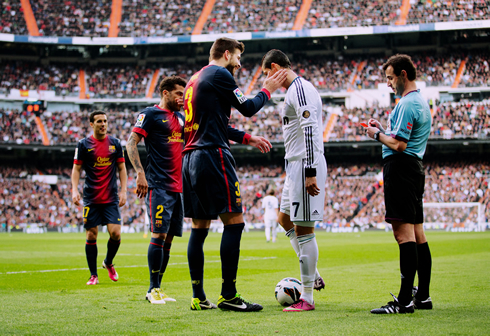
(302, 123)
(270, 204)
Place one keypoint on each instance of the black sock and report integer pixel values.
(408, 268)
(195, 257)
(112, 247)
(91, 253)
(230, 254)
(155, 255)
(166, 257)
(424, 270)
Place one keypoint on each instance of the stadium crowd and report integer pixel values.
(327, 73)
(167, 18)
(354, 194)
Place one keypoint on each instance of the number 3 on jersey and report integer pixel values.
(188, 104)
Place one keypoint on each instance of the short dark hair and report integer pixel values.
(94, 113)
(276, 56)
(223, 44)
(401, 62)
(169, 83)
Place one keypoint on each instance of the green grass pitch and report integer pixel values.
(43, 291)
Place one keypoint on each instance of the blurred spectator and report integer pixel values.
(12, 18)
(424, 11)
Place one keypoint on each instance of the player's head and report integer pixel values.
(172, 92)
(399, 69)
(271, 192)
(275, 60)
(98, 122)
(227, 50)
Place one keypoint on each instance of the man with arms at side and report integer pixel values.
(270, 204)
(101, 156)
(404, 144)
(303, 196)
(211, 187)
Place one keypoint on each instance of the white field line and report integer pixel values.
(131, 266)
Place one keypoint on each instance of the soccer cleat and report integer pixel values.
(197, 304)
(300, 306)
(238, 303)
(425, 304)
(94, 280)
(319, 284)
(111, 270)
(155, 296)
(394, 307)
(166, 297)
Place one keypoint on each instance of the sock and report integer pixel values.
(294, 243)
(195, 257)
(230, 254)
(267, 233)
(112, 247)
(423, 270)
(308, 260)
(91, 253)
(155, 256)
(166, 257)
(408, 267)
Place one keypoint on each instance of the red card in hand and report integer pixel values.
(363, 125)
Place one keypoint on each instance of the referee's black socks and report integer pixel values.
(423, 270)
(195, 257)
(230, 254)
(408, 268)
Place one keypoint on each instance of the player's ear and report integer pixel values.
(226, 55)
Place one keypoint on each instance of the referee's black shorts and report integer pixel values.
(210, 183)
(404, 180)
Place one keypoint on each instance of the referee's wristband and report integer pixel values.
(310, 172)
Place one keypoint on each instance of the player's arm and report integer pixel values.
(75, 179)
(246, 139)
(123, 177)
(226, 84)
(134, 157)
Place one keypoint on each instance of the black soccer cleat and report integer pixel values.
(394, 307)
(425, 304)
(238, 303)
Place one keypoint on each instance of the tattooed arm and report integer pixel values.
(134, 157)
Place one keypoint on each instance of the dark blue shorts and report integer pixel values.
(166, 211)
(210, 183)
(101, 214)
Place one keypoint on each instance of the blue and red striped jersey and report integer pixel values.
(164, 143)
(99, 159)
(208, 98)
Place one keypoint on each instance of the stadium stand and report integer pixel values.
(12, 18)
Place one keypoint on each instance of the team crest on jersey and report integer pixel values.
(239, 95)
(112, 149)
(139, 121)
(306, 114)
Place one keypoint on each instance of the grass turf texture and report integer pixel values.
(360, 269)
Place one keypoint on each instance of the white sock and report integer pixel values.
(267, 232)
(294, 243)
(308, 260)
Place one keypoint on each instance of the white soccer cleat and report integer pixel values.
(155, 296)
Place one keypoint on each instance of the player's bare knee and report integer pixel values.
(159, 235)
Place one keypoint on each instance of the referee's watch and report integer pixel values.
(376, 135)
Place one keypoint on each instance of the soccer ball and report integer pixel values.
(288, 291)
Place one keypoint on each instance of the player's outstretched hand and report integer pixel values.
(311, 186)
(122, 199)
(75, 196)
(261, 143)
(141, 185)
(275, 81)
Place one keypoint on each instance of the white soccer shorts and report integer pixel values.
(295, 201)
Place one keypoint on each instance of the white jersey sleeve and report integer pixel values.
(307, 105)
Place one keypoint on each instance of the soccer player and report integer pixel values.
(101, 156)
(211, 187)
(404, 144)
(162, 126)
(303, 195)
(270, 204)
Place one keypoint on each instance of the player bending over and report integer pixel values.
(303, 195)
(100, 155)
